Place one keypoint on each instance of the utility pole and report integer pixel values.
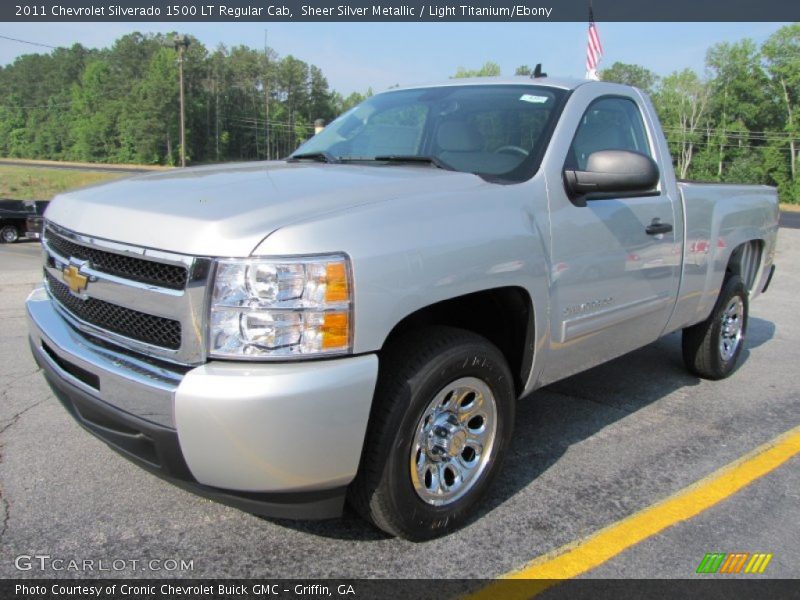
(266, 94)
(216, 115)
(181, 42)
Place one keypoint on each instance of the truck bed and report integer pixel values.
(720, 216)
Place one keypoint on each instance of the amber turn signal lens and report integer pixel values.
(336, 286)
(336, 330)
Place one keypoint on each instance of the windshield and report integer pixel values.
(499, 131)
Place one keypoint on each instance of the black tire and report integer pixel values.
(414, 369)
(9, 234)
(701, 343)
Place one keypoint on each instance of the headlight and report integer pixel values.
(281, 308)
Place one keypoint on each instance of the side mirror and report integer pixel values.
(611, 173)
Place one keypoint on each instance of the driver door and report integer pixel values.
(613, 284)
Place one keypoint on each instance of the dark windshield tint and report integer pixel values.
(493, 130)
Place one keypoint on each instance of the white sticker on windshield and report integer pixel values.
(534, 99)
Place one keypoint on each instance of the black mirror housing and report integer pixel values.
(611, 173)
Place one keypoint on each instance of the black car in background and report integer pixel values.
(21, 218)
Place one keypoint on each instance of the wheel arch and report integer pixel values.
(504, 316)
(745, 261)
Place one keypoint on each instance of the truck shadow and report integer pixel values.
(553, 418)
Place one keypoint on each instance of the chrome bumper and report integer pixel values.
(291, 430)
(135, 386)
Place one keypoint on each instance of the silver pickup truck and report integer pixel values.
(358, 321)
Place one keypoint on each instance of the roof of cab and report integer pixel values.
(563, 83)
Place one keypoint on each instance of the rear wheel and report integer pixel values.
(9, 234)
(711, 349)
(441, 422)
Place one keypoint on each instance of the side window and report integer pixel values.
(610, 123)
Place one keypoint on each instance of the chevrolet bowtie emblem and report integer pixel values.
(74, 280)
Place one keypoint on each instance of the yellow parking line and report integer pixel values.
(583, 555)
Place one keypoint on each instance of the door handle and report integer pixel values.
(657, 227)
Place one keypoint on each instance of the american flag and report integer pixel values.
(594, 49)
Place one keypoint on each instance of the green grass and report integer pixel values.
(32, 183)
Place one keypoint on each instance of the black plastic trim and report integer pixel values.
(83, 375)
(769, 279)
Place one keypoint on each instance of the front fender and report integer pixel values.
(410, 253)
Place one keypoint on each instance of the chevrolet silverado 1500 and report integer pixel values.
(358, 321)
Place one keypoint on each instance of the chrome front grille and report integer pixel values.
(136, 269)
(147, 301)
(133, 324)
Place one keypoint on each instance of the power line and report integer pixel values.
(5, 37)
(254, 123)
(736, 133)
(712, 144)
(727, 144)
(725, 131)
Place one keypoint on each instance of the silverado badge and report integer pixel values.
(74, 280)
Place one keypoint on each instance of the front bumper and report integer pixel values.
(281, 440)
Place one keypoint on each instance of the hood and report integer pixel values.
(227, 210)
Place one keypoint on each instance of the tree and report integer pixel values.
(782, 59)
(319, 96)
(740, 122)
(149, 127)
(342, 104)
(681, 102)
(489, 69)
(634, 75)
(740, 102)
(94, 114)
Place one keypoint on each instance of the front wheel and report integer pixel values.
(9, 234)
(440, 426)
(711, 349)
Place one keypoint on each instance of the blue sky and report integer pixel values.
(355, 56)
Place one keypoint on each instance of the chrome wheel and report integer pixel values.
(453, 441)
(731, 331)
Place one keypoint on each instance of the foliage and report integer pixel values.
(781, 54)
(489, 69)
(344, 104)
(681, 101)
(120, 104)
(740, 121)
(634, 75)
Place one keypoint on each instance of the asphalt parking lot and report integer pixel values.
(588, 452)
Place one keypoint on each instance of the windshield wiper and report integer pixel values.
(323, 156)
(327, 157)
(415, 158)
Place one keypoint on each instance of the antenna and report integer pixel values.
(537, 72)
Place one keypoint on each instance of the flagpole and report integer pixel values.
(594, 48)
